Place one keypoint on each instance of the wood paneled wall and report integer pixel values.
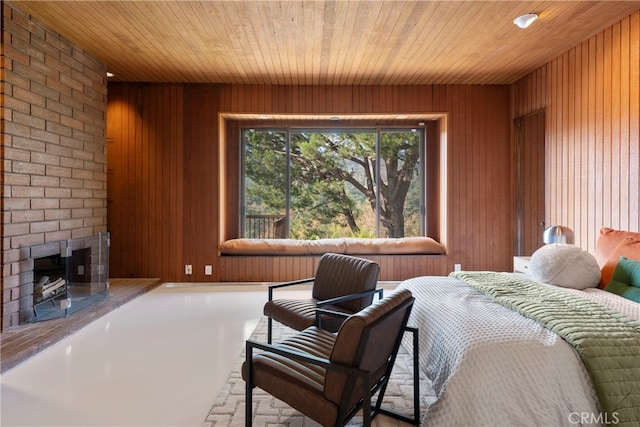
(281, 268)
(592, 99)
(201, 172)
(146, 183)
(164, 181)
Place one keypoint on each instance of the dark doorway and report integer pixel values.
(530, 187)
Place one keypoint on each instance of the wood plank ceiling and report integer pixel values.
(324, 42)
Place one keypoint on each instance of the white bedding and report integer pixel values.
(490, 366)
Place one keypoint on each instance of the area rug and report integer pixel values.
(228, 407)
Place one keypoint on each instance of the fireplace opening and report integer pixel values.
(67, 276)
(50, 282)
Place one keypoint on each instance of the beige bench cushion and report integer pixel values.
(351, 246)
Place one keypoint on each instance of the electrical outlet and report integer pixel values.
(457, 267)
(208, 270)
(188, 269)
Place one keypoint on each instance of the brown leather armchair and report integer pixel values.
(342, 283)
(329, 377)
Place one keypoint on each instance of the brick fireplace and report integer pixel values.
(54, 172)
(64, 277)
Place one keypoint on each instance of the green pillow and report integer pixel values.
(626, 279)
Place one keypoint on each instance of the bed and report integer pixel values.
(491, 363)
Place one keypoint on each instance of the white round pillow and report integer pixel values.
(565, 265)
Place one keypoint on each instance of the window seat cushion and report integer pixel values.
(351, 246)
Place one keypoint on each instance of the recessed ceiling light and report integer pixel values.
(110, 74)
(263, 116)
(335, 118)
(525, 20)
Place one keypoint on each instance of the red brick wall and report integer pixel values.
(54, 172)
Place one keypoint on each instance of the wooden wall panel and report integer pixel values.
(278, 268)
(200, 170)
(165, 182)
(145, 183)
(592, 98)
(480, 199)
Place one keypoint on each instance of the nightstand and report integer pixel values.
(521, 264)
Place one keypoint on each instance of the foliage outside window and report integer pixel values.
(321, 183)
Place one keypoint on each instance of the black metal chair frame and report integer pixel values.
(368, 388)
(319, 304)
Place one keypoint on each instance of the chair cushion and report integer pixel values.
(339, 275)
(379, 344)
(297, 383)
(300, 314)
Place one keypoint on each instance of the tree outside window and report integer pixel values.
(319, 183)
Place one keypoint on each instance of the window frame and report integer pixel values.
(423, 178)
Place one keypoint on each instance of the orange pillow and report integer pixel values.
(608, 241)
(628, 247)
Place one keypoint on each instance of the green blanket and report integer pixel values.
(607, 341)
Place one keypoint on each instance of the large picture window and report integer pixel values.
(328, 183)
